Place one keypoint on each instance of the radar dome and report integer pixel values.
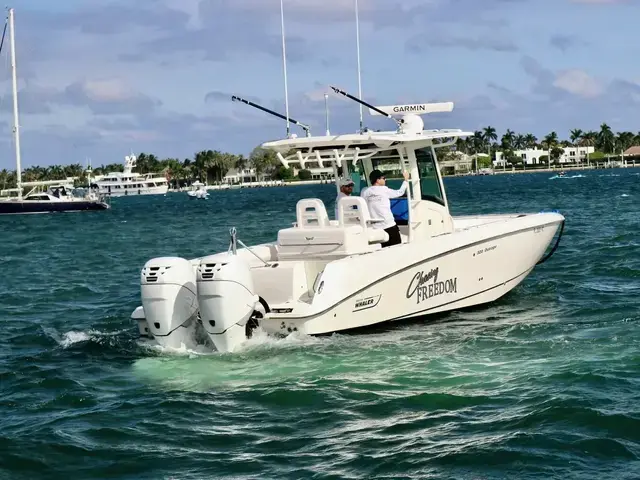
(412, 124)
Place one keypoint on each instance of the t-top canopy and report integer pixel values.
(353, 147)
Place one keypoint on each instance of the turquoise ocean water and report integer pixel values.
(544, 383)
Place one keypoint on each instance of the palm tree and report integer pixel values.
(489, 134)
(462, 144)
(199, 167)
(589, 140)
(576, 136)
(624, 141)
(530, 140)
(508, 139)
(142, 165)
(478, 144)
(241, 162)
(263, 160)
(606, 140)
(550, 141)
(507, 142)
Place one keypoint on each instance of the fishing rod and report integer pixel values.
(368, 105)
(275, 114)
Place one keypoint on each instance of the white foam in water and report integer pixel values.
(73, 337)
(261, 360)
(183, 350)
(261, 339)
(258, 341)
(566, 176)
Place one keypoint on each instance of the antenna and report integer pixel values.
(362, 102)
(284, 67)
(326, 113)
(275, 114)
(358, 56)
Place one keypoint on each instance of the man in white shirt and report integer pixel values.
(346, 189)
(378, 200)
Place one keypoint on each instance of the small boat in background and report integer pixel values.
(198, 190)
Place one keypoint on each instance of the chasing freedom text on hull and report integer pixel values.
(419, 288)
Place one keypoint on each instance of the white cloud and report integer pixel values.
(107, 90)
(578, 82)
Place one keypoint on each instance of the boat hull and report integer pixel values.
(134, 191)
(480, 267)
(13, 207)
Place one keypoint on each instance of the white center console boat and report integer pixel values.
(321, 276)
(198, 190)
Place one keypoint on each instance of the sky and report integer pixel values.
(98, 80)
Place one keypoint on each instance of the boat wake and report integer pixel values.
(260, 340)
(566, 176)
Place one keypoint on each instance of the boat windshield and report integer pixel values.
(36, 197)
(429, 181)
(388, 162)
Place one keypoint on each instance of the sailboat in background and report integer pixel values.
(58, 197)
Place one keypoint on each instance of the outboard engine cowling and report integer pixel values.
(170, 301)
(138, 317)
(226, 298)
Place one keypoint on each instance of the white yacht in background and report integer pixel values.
(128, 182)
(322, 276)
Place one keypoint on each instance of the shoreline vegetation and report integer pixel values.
(483, 145)
(211, 166)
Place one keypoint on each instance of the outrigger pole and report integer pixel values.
(399, 121)
(275, 114)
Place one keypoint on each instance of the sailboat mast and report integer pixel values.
(16, 123)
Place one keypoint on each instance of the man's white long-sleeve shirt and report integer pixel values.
(340, 195)
(378, 200)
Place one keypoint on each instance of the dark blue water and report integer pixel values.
(543, 383)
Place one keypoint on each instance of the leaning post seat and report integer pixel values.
(355, 211)
(315, 236)
(311, 212)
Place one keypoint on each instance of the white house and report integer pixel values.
(531, 156)
(458, 161)
(317, 173)
(246, 175)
